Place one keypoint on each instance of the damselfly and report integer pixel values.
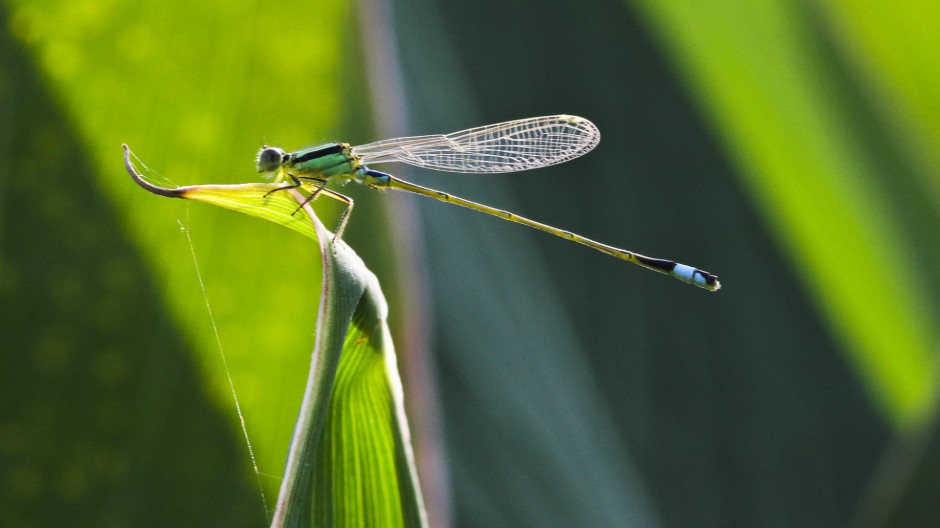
(504, 147)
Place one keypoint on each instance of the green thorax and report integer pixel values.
(325, 161)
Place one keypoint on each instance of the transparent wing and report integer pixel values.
(504, 147)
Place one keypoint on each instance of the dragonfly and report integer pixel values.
(512, 146)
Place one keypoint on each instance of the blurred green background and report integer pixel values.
(792, 148)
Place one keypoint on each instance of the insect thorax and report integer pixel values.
(324, 161)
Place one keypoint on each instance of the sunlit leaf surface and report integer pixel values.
(350, 462)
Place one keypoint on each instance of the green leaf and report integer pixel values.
(787, 109)
(350, 461)
(364, 464)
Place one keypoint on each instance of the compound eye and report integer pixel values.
(270, 159)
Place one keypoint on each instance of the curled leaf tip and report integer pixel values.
(162, 191)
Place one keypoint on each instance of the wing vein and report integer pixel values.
(512, 146)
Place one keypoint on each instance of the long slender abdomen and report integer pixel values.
(687, 274)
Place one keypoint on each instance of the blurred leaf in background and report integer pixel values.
(790, 148)
(197, 98)
(803, 123)
(106, 420)
(735, 139)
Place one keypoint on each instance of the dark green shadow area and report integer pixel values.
(904, 492)
(104, 420)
